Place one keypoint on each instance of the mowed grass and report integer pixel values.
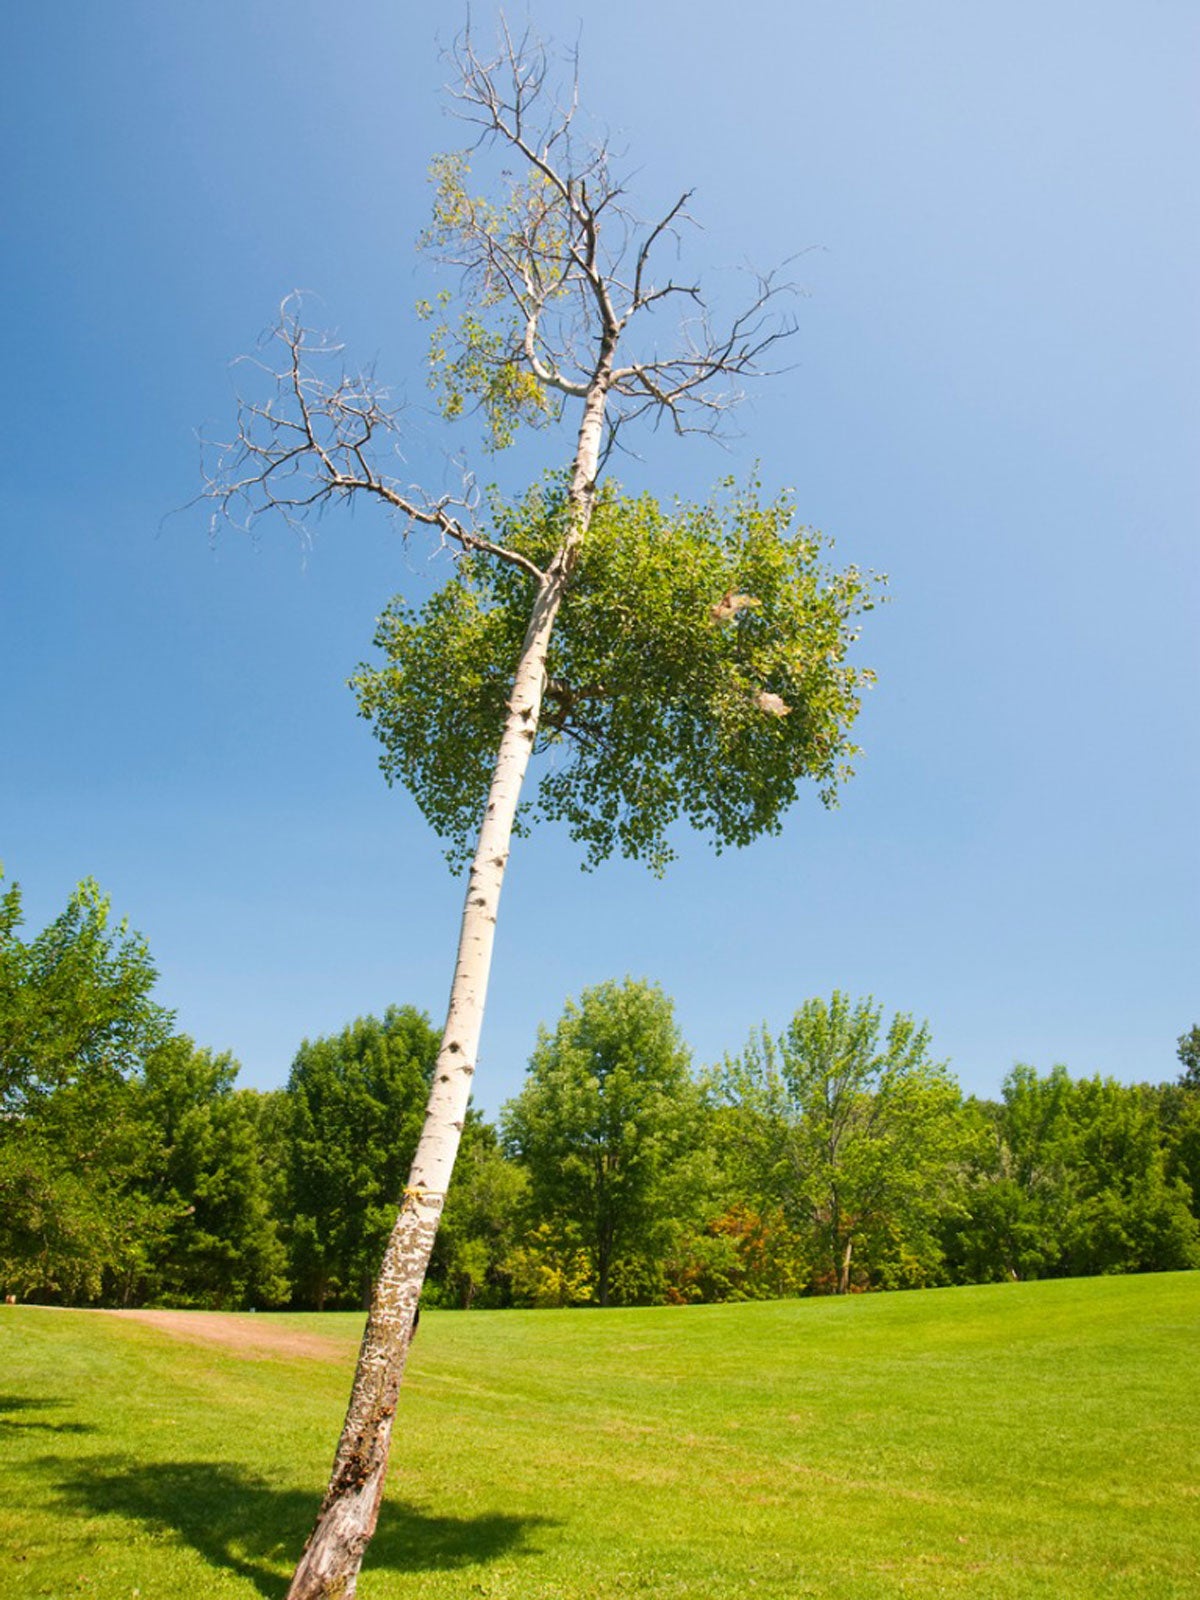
(1024, 1440)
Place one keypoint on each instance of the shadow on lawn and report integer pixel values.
(241, 1522)
(10, 1403)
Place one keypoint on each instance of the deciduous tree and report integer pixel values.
(1071, 1177)
(1188, 1051)
(221, 1245)
(356, 1102)
(472, 1262)
(75, 1000)
(79, 1222)
(857, 1133)
(77, 1022)
(705, 672)
(606, 1127)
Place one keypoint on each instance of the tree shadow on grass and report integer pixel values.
(239, 1521)
(12, 1403)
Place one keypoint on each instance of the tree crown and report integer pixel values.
(698, 671)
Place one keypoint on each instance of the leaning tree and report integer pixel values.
(660, 663)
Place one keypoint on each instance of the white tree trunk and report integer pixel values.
(328, 1569)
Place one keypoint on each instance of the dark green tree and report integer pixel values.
(1181, 1140)
(222, 1247)
(755, 1245)
(356, 1102)
(481, 1226)
(606, 1127)
(1179, 1118)
(79, 1223)
(1071, 1177)
(1127, 1215)
(130, 1167)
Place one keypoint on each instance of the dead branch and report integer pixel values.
(580, 271)
(314, 440)
(563, 275)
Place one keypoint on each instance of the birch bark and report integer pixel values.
(329, 1566)
(312, 445)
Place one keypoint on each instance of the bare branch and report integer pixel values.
(665, 225)
(501, 97)
(577, 269)
(313, 442)
(558, 283)
(703, 378)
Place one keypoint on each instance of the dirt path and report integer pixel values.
(249, 1335)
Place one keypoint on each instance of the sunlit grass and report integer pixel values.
(1039, 1440)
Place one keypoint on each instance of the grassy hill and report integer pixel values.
(1020, 1440)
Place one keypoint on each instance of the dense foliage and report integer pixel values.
(354, 1109)
(838, 1157)
(130, 1166)
(698, 670)
(857, 1140)
(609, 1129)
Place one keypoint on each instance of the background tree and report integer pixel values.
(221, 1246)
(1069, 1178)
(75, 1001)
(76, 1023)
(747, 1250)
(1179, 1117)
(1178, 1106)
(858, 1135)
(1128, 1214)
(754, 1245)
(356, 1101)
(561, 306)
(79, 1223)
(606, 1128)
(482, 1225)
(1188, 1051)
(270, 1112)
(131, 1168)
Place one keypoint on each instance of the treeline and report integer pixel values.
(838, 1157)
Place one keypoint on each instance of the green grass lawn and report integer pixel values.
(1035, 1439)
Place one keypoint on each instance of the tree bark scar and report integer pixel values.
(353, 1474)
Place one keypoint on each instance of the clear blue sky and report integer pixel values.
(995, 401)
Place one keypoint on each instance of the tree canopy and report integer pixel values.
(1188, 1052)
(698, 671)
(130, 1167)
(605, 1126)
(854, 1131)
(356, 1101)
(1073, 1176)
(75, 1000)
